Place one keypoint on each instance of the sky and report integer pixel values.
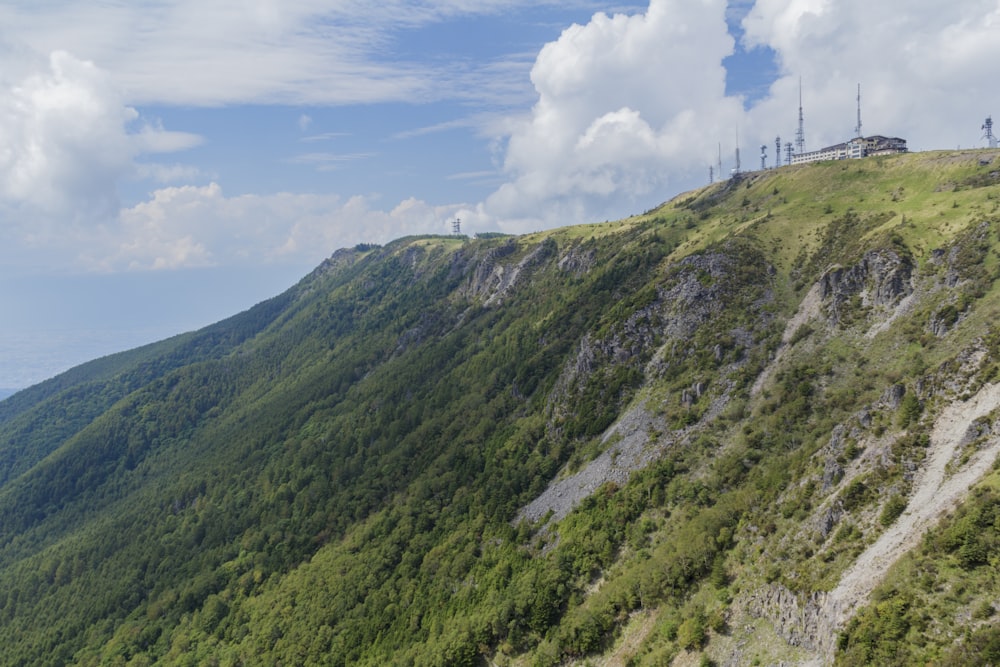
(167, 163)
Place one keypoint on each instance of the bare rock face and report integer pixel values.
(697, 292)
(700, 289)
(893, 396)
(577, 262)
(491, 278)
(797, 621)
(489, 275)
(341, 259)
(882, 278)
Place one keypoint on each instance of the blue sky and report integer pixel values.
(164, 164)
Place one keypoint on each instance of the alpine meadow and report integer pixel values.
(757, 425)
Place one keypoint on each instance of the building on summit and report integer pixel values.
(858, 147)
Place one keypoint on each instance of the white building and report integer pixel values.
(858, 147)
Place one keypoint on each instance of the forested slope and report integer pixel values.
(732, 397)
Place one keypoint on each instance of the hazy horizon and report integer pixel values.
(51, 328)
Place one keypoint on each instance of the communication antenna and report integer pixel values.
(711, 174)
(763, 157)
(456, 226)
(989, 136)
(789, 152)
(857, 130)
(736, 172)
(720, 159)
(777, 151)
(800, 135)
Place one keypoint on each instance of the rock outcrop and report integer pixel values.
(881, 279)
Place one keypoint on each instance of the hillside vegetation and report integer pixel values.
(758, 424)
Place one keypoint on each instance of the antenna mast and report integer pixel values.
(456, 226)
(857, 130)
(800, 135)
(720, 159)
(763, 157)
(711, 174)
(736, 172)
(777, 151)
(789, 151)
(989, 136)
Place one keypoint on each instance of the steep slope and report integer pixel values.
(707, 430)
(39, 418)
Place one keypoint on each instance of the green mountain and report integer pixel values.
(758, 424)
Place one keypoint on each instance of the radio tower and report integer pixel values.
(720, 159)
(789, 152)
(777, 151)
(711, 174)
(736, 172)
(763, 157)
(989, 136)
(857, 130)
(456, 226)
(800, 134)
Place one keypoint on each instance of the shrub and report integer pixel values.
(692, 631)
(854, 495)
(909, 409)
(894, 507)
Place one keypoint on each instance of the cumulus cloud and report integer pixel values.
(191, 226)
(628, 106)
(629, 109)
(927, 68)
(51, 125)
(632, 109)
(66, 139)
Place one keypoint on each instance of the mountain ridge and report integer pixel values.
(632, 440)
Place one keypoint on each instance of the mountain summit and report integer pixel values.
(756, 425)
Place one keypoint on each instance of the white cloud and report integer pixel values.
(631, 110)
(62, 139)
(627, 106)
(325, 136)
(217, 52)
(66, 138)
(324, 161)
(153, 138)
(169, 173)
(926, 67)
(192, 226)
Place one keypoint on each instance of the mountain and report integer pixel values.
(757, 424)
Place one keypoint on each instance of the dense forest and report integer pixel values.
(700, 435)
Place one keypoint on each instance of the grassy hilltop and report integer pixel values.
(756, 424)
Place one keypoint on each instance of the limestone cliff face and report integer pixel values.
(493, 277)
(881, 279)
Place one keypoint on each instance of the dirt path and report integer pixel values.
(934, 493)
